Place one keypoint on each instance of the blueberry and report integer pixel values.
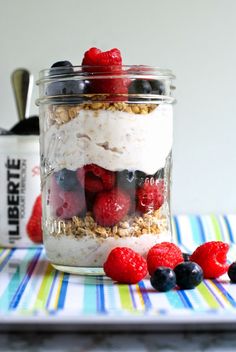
(67, 179)
(140, 178)
(67, 88)
(158, 87)
(140, 86)
(232, 272)
(186, 257)
(126, 179)
(63, 67)
(163, 279)
(130, 179)
(159, 175)
(188, 275)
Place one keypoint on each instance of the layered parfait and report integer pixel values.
(105, 159)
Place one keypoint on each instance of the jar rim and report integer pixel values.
(115, 71)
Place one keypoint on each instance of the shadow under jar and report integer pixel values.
(106, 141)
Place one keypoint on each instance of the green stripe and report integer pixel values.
(217, 229)
(125, 298)
(42, 296)
(90, 297)
(16, 279)
(207, 296)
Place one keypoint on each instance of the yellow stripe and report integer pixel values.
(44, 288)
(140, 296)
(222, 296)
(3, 257)
(60, 279)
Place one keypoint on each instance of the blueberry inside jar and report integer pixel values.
(106, 142)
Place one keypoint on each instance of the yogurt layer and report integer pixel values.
(114, 140)
(88, 251)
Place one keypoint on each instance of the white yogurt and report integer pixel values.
(88, 251)
(114, 140)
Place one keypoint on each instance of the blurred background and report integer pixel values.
(196, 39)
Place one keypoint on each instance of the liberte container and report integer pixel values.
(106, 141)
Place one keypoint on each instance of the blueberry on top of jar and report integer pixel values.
(143, 86)
(140, 86)
(158, 87)
(61, 67)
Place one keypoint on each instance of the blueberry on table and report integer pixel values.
(186, 257)
(158, 87)
(188, 275)
(232, 272)
(140, 86)
(163, 279)
(66, 179)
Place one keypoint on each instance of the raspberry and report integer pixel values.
(150, 196)
(110, 207)
(90, 57)
(211, 256)
(163, 254)
(109, 62)
(95, 57)
(125, 266)
(34, 225)
(96, 179)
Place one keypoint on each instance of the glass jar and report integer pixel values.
(106, 141)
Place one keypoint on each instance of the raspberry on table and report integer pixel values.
(125, 266)
(110, 207)
(95, 178)
(150, 196)
(34, 225)
(165, 254)
(212, 258)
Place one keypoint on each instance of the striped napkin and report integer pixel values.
(31, 287)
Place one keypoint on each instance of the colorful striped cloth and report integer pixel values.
(30, 286)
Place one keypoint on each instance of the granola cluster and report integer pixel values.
(64, 113)
(131, 226)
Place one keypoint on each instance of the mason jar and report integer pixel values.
(105, 145)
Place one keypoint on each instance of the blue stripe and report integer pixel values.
(197, 233)
(201, 228)
(5, 261)
(174, 299)
(132, 296)
(62, 296)
(177, 230)
(146, 299)
(100, 298)
(231, 236)
(185, 298)
(225, 293)
(3, 251)
(51, 289)
(16, 298)
(213, 293)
